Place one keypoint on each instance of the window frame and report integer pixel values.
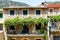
(27, 12)
(40, 11)
(51, 8)
(10, 14)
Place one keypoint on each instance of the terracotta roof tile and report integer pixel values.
(53, 6)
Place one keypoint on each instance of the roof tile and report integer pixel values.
(53, 6)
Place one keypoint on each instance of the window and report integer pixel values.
(38, 12)
(38, 39)
(38, 26)
(53, 24)
(12, 28)
(25, 12)
(56, 37)
(11, 12)
(51, 10)
(1, 15)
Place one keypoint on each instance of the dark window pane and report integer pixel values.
(11, 12)
(51, 10)
(1, 15)
(25, 30)
(38, 26)
(25, 12)
(38, 12)
(56, 37)
(12, 28)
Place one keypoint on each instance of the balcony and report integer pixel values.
(54, 28)
(27, 27)
(53, 13)
(54, 25)
(16, 33)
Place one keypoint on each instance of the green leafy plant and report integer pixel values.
(25, 21)
(46, 35)
(55, 18)
(15, 22)
(28, 21)
(8, 23)
(43, 21)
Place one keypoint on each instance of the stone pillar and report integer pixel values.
(48, 28)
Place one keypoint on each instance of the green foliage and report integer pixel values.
(15, 22)
(55, 18)
(8, 22)
(46, 35)
(25, 21)
(38, 31)
(29, 21)
(42, 21)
